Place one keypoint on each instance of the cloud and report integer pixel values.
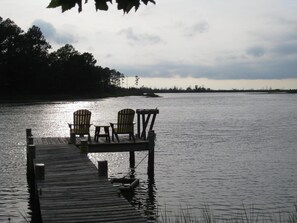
(190, 30)
(52, 34)
(273, 69)
(286, 49)
(140, 39)
(256, 51)
(197, 28)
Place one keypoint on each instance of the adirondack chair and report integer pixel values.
(81, 123)
(124, 125)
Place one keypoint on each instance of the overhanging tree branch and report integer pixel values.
(125, 5)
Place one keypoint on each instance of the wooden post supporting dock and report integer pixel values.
(30, 150)
(39, 171)
(30, 157)
(103, 169)
(132, 159)
(28, 135)
(151, 154)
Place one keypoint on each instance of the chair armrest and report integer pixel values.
(113, 124)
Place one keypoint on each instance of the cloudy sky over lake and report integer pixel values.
(216, 43)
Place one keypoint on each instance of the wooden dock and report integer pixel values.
(67, 187)
(109, 147)
(72, 191)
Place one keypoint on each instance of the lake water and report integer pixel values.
(224, 151)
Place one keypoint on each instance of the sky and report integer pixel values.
(218, 44)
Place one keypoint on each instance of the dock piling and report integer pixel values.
(151, 153)
(30, 157)
(28, 134)
(29, 137)
(132, 159)
(31, 152)
(103, 168)
(39, 171)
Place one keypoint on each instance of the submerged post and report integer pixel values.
(151, 154)
(103, 168)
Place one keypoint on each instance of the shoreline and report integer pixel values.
(60, 97)
(68, 97)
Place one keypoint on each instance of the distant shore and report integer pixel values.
(60, 97)
(69, 97)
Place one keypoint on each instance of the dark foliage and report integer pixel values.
(27, 67)
(125, 5)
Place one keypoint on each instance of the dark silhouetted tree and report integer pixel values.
(28, 68)
(115, 78)
(136, 80)
(35, 52)
(11, 45)
(125, 5)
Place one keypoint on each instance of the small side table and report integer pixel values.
(105, 133)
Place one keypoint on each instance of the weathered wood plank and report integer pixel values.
(101, 146)
(72, 190)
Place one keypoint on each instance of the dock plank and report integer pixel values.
(101, 146)
(72, 190)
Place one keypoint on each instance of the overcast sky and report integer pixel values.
(215, 43)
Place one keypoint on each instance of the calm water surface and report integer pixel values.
(220, 150)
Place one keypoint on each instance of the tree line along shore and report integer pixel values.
(28, 68)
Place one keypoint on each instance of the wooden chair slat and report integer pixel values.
(125, 123)
(81, 123)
